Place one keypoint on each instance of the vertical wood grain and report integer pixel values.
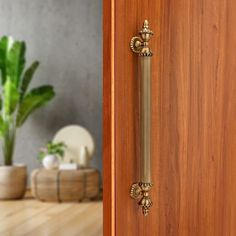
(129, 18)
(122, 88)
(108, 120)
(193, 117)
(198, 109)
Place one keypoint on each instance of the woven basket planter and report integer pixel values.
(12, 182)
(65, 185)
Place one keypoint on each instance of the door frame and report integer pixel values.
(108, 119)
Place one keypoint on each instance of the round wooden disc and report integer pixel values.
(74, 136)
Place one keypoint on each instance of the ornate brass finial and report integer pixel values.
(139, 44)
(141, 191)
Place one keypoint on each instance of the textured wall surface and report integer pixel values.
(66, 37)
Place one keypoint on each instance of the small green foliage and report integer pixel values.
(51, 148)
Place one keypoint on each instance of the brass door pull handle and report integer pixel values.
(140, 190)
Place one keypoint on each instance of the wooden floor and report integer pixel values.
(34, 218)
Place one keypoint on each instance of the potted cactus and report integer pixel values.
(17, 102)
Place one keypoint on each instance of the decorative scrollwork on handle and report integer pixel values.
(139, 44)
(141, 190)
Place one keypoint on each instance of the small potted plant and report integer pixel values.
(49, 156)
(17, 102)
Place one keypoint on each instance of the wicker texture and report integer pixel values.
(65, 185)
(12, 182)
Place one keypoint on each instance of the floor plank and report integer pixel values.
(31, 217)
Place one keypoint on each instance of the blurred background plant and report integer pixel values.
(16, 102)
(57, 149)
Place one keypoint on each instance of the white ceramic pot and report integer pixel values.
(13, 181)
(50, 162)
(84, 157)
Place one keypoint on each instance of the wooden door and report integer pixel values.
(193, 117)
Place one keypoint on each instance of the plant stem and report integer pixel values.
(8, 146)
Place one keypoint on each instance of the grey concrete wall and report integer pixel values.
(66, 37)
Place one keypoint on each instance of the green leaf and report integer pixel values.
(16, 61)
(10, 97)
(34, 99)
(5, 45)
(28, 75)
(3, 127)
(12, 59)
